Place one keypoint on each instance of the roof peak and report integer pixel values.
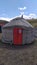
(21, 16)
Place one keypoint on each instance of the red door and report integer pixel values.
(17, 36)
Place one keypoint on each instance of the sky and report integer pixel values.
(13, 8)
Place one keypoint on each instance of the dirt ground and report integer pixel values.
(18, 55)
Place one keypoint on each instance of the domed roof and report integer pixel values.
(19, 21)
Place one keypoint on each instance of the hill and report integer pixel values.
(33, 22)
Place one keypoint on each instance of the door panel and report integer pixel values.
(17, 36)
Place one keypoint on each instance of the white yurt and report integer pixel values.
(18, 31)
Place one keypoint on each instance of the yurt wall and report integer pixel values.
(27, 35)
(7, 35)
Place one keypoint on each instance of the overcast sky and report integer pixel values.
(13, 8)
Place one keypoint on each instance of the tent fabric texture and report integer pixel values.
(18, 31)
(18, 22)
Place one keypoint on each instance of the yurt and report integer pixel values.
(2, 22)
(18, 31)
